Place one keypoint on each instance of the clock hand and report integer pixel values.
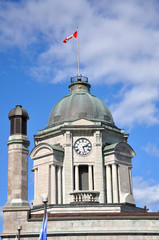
(85, 146)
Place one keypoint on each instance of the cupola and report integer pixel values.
(18, 117)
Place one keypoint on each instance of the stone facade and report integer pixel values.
(109, 168)
(87, 222)
(82, 163)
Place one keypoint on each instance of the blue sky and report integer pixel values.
(119, 53)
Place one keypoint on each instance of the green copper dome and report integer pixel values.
(79, 104)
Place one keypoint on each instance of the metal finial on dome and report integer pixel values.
(79, 83)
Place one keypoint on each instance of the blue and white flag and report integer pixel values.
(43, 231)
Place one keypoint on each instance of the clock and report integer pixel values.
(83, 146)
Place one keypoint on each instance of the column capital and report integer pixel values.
(108, 165)
(76, 164)
(115, 164)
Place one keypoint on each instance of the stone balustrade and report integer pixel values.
(84, 196)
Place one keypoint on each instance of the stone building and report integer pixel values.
(82, 163)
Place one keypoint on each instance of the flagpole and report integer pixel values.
(78, 52)
(43, 231)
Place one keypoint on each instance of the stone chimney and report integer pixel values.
(18, 157)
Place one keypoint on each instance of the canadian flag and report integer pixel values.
(68, 38)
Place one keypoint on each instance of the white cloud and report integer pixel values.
(137, 106)
(151, 149)
(146, 193)
(118, 44)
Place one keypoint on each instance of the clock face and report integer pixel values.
(83, 146)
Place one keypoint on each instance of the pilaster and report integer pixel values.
(67, 168)
(98, 168)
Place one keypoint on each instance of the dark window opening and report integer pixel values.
(83, 177)
(18, 125)
(57, 118)
(24, 125)
(82, 115)
(12, 126)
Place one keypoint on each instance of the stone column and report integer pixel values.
(35, 183)
(59, 176)
(109, 184)
(18, 168)
(15, 211)
(53, 184)
(18, 156)
(130, 180)
(115, 183)
(90, 177)
(76, 177)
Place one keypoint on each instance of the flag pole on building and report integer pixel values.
(75, 35)
(78, 52)
(43, 231)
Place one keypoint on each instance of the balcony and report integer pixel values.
(84, 196)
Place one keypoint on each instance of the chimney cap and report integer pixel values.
(18, 111)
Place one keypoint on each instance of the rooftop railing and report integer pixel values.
(79, 78)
